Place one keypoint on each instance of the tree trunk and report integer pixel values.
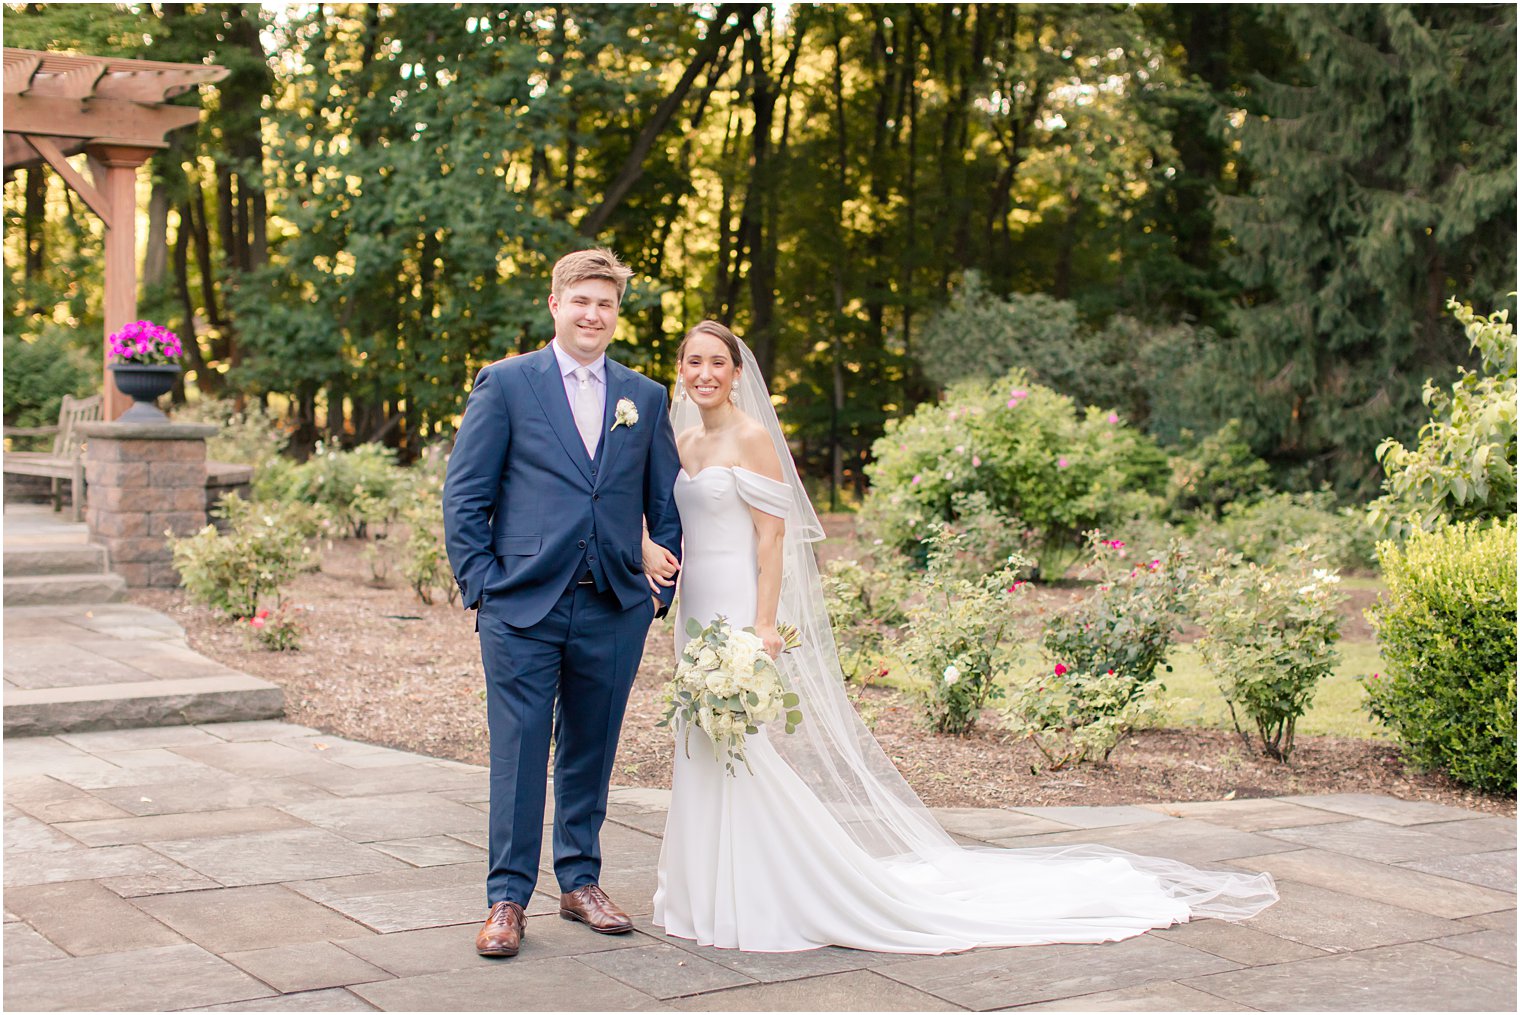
(760, 240)
(156, 256)
(207, 380)
(35, 216)
(633, 166)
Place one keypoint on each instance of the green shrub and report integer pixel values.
(1217, 471)
(955, 635)
(277, 631)
(1269, 636)
(40, 371)
(981, 335)
(1464, 465)
(1158, 377)
(1446, 628)
(1028, 451)
(247, 436)
(1280, 524)
(1074, 716)
(424, 558)
(1125, 625)
(866, 607)
(357, 487)
(264, 547)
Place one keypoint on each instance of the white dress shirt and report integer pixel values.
(567, 367)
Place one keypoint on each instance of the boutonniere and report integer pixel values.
(626, 413)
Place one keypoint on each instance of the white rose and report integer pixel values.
(952, 674)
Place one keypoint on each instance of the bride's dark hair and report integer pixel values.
(717, 331)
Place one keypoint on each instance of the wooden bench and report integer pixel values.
(66, 460)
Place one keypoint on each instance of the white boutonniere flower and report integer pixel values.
(626, 413)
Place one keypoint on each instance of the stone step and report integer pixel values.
(60, 589)
(32, 559)
(227, 698)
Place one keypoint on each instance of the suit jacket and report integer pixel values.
(525, 509)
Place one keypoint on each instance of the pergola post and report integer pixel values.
(114, 169)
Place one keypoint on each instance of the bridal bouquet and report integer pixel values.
(728, 687)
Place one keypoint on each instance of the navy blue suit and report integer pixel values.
(527, 515)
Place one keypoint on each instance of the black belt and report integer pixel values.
(586, 579)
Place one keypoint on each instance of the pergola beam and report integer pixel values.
(49, 150)
(116, 119)
(57, 104)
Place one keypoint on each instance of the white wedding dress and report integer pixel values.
(776, 860)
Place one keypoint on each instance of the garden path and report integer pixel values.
(266, 866)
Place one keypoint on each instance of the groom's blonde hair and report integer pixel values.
(583, 265)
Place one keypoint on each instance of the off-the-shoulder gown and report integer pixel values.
(756, 861)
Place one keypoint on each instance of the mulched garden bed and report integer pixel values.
(379, 666)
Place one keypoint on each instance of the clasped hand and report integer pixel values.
(660, 565)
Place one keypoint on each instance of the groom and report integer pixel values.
(562, 458)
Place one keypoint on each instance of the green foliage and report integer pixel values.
(1141, 370)
(264, 547)
(424, 558)
(1124, 627)
(866, 603)
(248, 436)
(277, 631)
(1464, 466)
(1102, 655)
(40, 371)
(1269, 636)
(1027, 450)
(955, 636)
(356, 488)
(1074, 716)
(1382, 179)
(1280, 524)
(1216, 471)
(1447, 631)
(979, 335)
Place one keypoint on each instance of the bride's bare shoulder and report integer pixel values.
(757, 453)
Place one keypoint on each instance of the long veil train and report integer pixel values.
(835, 755)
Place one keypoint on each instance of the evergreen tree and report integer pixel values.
(1383, 183)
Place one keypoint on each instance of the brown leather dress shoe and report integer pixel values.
(591, 906)
(503, 931)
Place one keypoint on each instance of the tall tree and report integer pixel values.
(1383, 183)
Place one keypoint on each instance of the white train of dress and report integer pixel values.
(757, 861)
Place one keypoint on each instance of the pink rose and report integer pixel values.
(1062, 463)
(1113, 417)
(1060, 669)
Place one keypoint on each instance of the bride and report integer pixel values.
(821, 841)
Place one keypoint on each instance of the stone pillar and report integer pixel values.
(143, 481)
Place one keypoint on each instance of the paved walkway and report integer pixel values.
(265, 866)
(75, 661)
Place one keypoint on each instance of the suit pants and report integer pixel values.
(570, 673)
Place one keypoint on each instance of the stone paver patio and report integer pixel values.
(265, 866)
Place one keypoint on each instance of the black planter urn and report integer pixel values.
(144, 384)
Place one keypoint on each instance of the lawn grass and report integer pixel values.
(1192, 698)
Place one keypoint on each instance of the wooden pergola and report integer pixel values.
(115, 111)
